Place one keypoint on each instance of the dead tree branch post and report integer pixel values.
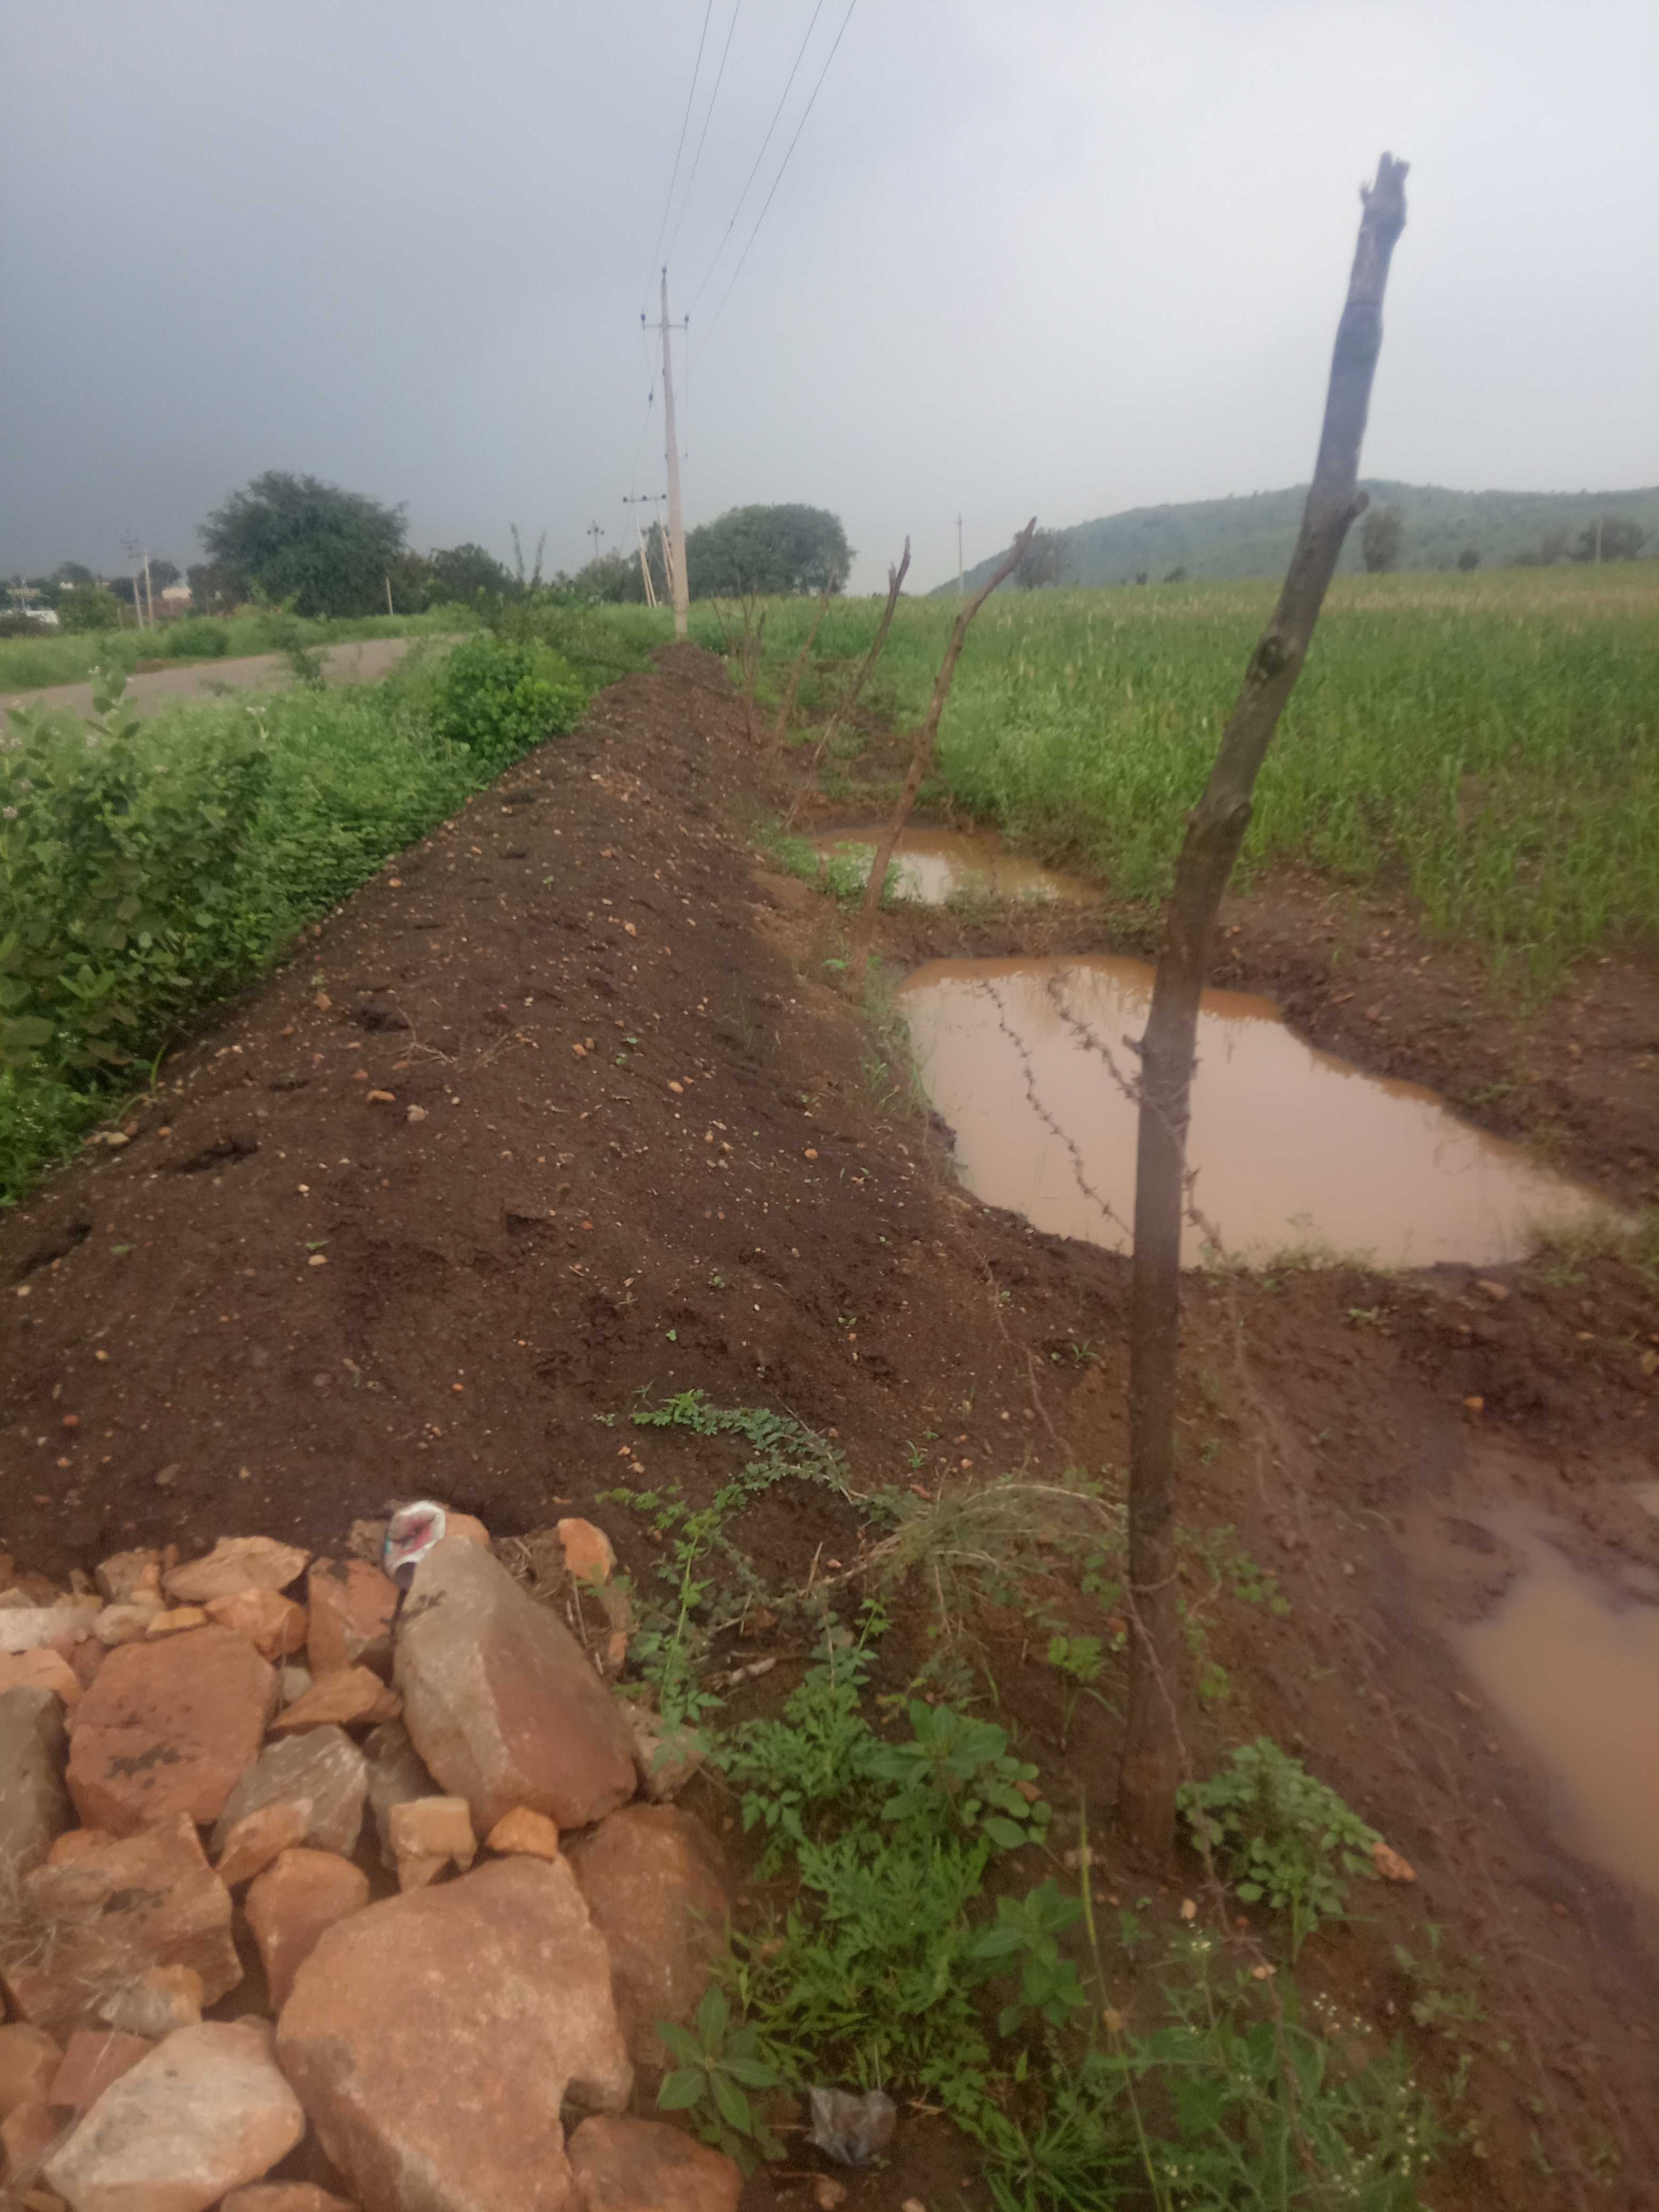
(921, 757)
(1215, 832)
(846, 704)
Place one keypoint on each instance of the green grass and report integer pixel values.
(1489, 742)
(29, 663)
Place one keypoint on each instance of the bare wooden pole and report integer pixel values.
(921, 756)
(1215, 831)
(845, 705)
(786, 706)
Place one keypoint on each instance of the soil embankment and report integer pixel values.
(566, 1109)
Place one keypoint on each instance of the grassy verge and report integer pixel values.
(29, 663)
(1491, 742)
(147, 868)
(928, 1943)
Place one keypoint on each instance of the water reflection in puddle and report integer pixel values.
(934, 866)
(1292, 1146)
(1575, 1669)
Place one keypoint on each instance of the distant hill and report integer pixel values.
(1252, 536)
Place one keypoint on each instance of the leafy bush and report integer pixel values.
(1283, 1836)
(88, 607)
(198, 637)
(117, 859)
(498, 698)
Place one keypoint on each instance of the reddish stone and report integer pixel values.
(643, 2166)
(168, 1728)
(292, 1902)
(653, 1882)
(256, 1841)
(521, 1830)
(351, 1607)
(353, 1698)
(27, 2133)
(29, 2060)
(499, 1698)
(438, 2034)
(94, 2057)
(204, 2113)
(284, 2196)
(235, 1563)
(41, 1669)
(273, 1624)
(89, 1926)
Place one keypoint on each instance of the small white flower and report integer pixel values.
(8, 814)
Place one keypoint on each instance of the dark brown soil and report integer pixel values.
(657, 1153)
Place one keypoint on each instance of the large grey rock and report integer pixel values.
(323, 1765)
(206, 2111)
(93, 1925)
(35, 1806)
(434, 2038)
(397, 1776)
(500, 1700)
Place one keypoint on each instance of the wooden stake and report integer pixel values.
(1215, 831)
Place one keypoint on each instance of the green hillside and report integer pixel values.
(1252, 536)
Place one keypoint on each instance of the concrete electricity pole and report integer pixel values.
(675, 516)
(595, 530)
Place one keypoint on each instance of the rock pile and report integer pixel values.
(465, 1932)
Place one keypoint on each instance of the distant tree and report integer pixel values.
(613, 579)
(70, 573)
(463, 571)
(211, 592)
(1381, 539)
(1469, 557)
(1176, 575)
(1140, 575)
(298, 540)
(163, 573)
(768, 549)
(1610, 538)
(1042, 563)
(1553, 546)
(88, 607)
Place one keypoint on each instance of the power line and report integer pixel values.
(759, 157)
(778, 180)
(673, 173)
(708, 119)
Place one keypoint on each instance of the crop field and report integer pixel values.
(1489, 743)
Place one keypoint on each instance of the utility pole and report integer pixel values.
(645, 498)
(130, 547)
(149, 596)
(675, 533)
(595, 530)
(958, 556)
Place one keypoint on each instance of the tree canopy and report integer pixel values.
(767, 549)
(298, 539)
(461, 572)
(1380, 538)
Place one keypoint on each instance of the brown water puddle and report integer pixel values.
(1574, 1667)
(1293, 1147)
(934, 866)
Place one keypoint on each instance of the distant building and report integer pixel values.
(174, 596)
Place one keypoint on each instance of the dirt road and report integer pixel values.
(362, 661)
(565, 1112)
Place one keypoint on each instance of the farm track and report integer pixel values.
(651, 1153)
(361, 661)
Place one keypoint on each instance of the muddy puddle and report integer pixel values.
(1293, 1148)
(1572, 1662)
(935, 865)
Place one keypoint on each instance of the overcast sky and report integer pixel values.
(1060, 256)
